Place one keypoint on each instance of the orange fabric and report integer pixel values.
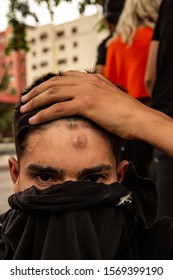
(125, 66)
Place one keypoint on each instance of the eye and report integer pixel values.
(45, 179)
(96, 178)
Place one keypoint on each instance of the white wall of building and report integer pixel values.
(72, 45)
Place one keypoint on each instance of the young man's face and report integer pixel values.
(59, 153)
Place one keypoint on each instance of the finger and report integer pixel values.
(56, 111)
(57, 89)
(50, 83)
(67, 93)
(69, 78)
(53, 90)
(50, 96)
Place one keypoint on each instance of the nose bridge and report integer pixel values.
(68, 177)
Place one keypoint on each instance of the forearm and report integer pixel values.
(141, 122)
(155, 128)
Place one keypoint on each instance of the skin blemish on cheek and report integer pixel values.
(79, 141)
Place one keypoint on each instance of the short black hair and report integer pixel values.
(22, 129)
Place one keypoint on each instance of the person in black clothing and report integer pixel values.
(159, 80)
(83, 204)
(111, 12)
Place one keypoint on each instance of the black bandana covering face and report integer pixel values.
(76, 220)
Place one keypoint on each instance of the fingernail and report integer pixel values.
(23, 108)
(23, 98)
(32, 120)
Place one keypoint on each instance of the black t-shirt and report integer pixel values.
(156, 241)
(162, 96)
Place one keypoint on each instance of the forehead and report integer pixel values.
(75, 133)
(71, 124)
(71, 147)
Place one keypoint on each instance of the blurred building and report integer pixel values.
(12, 71)
(72, 45)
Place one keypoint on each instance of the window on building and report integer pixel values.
(62, 61)
(34, 67)
(60, 34)
(32, 41)
(10, 64)
(74, 30)
(75, 44)
(33, 53)
(45, 50)
(62, 47)
(43, 36)
(75, 59)
(43, 64)
(11, 79)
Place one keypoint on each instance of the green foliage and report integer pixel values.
(6, 111)
(17, 41)
(19, 10)
(5, 81)
(17, 13)
(6, 116)
(83, 4)
(12, 91)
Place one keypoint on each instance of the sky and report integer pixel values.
(63, 13)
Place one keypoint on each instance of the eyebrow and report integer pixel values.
(95, 169)
(48, 169)
(37, 168)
